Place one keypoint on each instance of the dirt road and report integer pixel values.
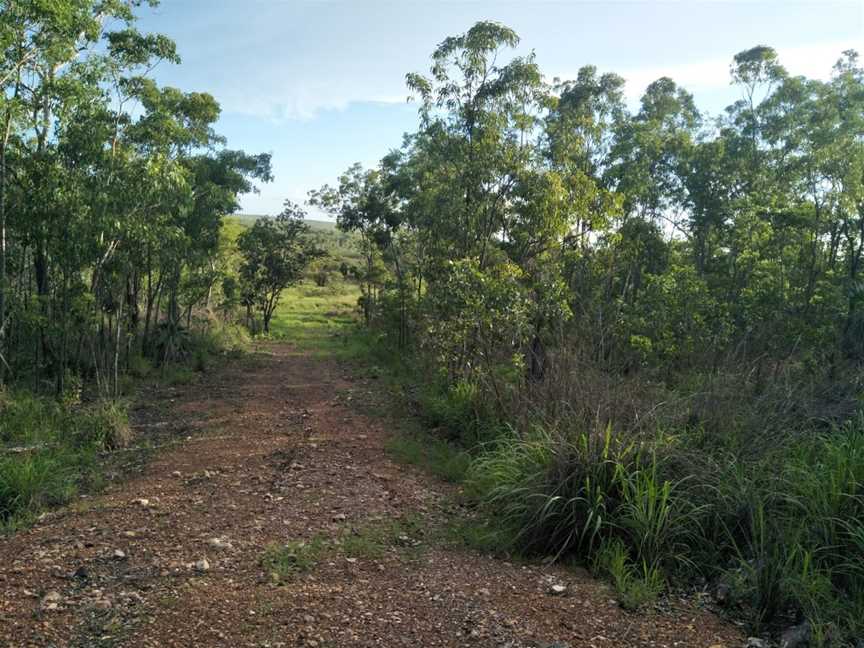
(271, 450)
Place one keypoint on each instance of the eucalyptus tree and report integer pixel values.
(108, 183)
(363, 203)
(476, 136)
(275, 253)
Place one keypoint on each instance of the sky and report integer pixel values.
(320, 83)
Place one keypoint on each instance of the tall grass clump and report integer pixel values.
(567, 494)
(783, 535)
(50, 450)
(460, 411)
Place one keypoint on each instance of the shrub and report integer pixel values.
(634, 587)
(51, 450)
(283, 562)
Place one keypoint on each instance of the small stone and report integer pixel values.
(119, 554)
(177, 474)
(796, 637)
(202, 565)
(483, 592)
(755, 642)
(102, 604)
(81, 573)
(220, 544)
(308, 618)
(340, 517)
(51, 601)
(142, 502)
(558, 589)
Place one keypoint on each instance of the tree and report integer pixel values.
(275, 253)
(362, 203)
(112, 192)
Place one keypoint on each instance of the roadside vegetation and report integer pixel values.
(642, 327)
(117, 264)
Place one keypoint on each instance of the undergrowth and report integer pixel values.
(779, 526)
(52, 449)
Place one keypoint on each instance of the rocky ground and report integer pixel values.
(273, 516)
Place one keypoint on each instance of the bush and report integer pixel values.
(50, 450)
(635, 587)
(785, 534)
(321, 278)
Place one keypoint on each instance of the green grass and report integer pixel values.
(318, 318)
(443, 459)
(404, 535)
(283, 562)
(49, 451)
(635, 587)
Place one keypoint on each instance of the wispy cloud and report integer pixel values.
(813, 61)
(297, 94)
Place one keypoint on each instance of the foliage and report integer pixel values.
(275, 253)
(645, 325)
(112, 193)
(50, 451)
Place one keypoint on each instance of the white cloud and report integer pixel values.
(813, 61)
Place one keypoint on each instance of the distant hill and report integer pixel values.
(314, 224)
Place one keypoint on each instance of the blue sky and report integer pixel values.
(320, 83)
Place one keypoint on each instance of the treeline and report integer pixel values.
(112, 193)
(648, 324)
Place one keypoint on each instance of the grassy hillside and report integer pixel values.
(316, 225)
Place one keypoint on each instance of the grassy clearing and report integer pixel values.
(318, 318)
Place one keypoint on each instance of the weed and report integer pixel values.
(52, 451)
(441, 458)
(283, 562)
(635, 587)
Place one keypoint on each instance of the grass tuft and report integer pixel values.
(283, 562)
